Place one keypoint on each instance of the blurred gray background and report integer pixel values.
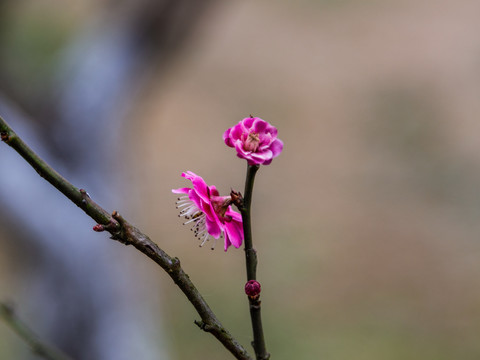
(366, 225)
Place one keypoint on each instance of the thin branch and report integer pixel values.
(8, 315)
(251, 265)
(250, 252)
(124, 232)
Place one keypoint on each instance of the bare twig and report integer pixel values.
(8, 315)
(124, 232)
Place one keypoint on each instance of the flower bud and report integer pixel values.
(99, 228)
(252, 289)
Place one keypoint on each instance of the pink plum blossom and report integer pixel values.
(209, 213)
(255, 140)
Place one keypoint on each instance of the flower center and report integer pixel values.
(252, 141)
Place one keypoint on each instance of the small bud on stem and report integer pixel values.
(252, 289)
(99, 228)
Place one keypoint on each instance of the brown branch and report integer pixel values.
(122, 231)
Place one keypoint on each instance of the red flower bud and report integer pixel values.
(252, 289)
(99, 228)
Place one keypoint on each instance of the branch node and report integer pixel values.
(200, 324)
(123, 231)
(251, 253)
(255, 303)
(176, 262)
(84, 195)
(5, 136)
(204, 326)
(175, 265)
(111, 227)
(116, 215)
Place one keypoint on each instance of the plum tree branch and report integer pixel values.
(122, 231)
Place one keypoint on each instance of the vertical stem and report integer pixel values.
(251, 265)
(250, 253)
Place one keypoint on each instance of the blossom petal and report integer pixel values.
(233, 234)
(227, 243)
(236, 132)
(184, 190)
(260, 125)
(199, 185)
(240, 150)
(197, 200)
(248, 122)
(272, 130)
(213, 191)
(276, 147)
(213, 228)
(227, 138)
(233, 229)
(189, 175)
(261, 157)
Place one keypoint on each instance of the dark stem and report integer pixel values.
(250, 253)
(39, 348)
(251, 265)
(127, 234)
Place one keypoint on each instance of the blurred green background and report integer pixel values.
(366, 226)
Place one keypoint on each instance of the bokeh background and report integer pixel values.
(366, 225)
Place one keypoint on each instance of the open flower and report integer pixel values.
(255, 140)
(209, 213)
